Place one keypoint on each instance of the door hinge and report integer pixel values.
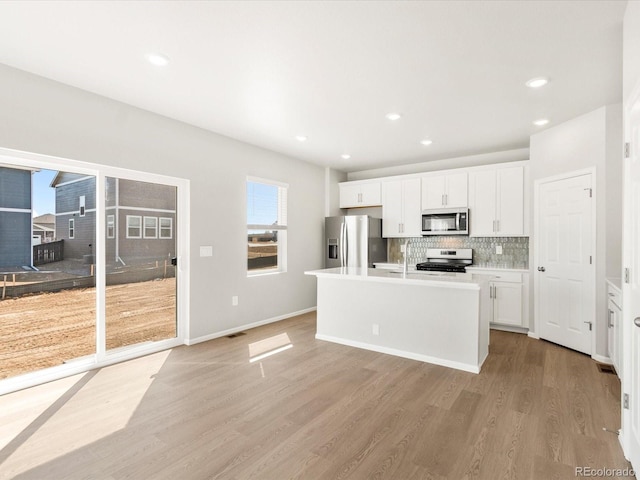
(627, 150)
(625, 401)
(626, 275)
(590, 192)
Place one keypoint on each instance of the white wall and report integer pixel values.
(42, 116)
(584, 142)
(631, 49)
(332, 196)
(443, 164)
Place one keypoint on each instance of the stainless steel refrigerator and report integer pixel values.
(354, 241)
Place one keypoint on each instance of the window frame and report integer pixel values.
(111, 226)
(161, 228)
(281, 227)
(139, 217)
(144, 227)
(82, 205)
(72, 228)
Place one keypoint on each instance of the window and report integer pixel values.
(266, 226)
(166, 227)
(82, 205)
(72, 228)
(150, 227)
(134, 226)
(111, 226)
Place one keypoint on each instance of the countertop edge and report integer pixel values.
(399, 280)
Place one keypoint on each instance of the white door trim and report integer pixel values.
(535, 330)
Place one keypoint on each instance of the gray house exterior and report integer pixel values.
(140, 218)
(141, 221)
(75, 213)
(15, 217)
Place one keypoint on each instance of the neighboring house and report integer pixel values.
(75, 221)
(15, 217)
(141, 221)
(44, 227)
(140, 218)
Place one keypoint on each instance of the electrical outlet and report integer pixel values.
(234, 300)
(376, 329)
(206, 251)
(498, 249)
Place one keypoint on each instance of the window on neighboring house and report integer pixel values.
(72, 228)
(82, 205)
(134, 226)
(166, 227)
(266, 226)
(111, 226)
(150, 227)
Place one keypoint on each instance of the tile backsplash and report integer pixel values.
(515, 250)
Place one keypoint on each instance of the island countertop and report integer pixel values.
(414, 277)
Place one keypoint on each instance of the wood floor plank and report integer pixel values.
(317, 411)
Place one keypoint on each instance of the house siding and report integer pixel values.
(15, 227)
(68, 206)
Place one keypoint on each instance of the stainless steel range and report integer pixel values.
(447, 260)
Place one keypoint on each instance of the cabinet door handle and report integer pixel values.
(446, 199)
(497, 226)
(609, 319)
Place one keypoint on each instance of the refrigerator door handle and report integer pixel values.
(342, 241)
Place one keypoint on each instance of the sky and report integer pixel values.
(44, 198)
(262, 203)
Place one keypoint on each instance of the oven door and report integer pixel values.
(445, 222)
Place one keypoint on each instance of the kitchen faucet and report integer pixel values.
(406, 257)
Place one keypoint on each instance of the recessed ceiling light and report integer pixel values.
(158, 59)
(540, 122)
(345, 156)
(393, 116)
(537, 82)
(301, 138)
(426, 142)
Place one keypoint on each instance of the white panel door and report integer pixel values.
(482, 212)
(510, 201)
(565, 273)
(631, 288)
(392, 209)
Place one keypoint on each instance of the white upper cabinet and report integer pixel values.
(401, 212)
(496, 202)
(357, 194)
(444, 191)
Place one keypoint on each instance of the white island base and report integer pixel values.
(436, 319)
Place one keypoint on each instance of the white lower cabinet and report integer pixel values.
(614, 324)
(508, 298)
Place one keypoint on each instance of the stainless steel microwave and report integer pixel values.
(445, 221)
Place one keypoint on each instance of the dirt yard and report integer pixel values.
(45, 330)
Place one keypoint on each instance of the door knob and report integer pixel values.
(636, 321)
(541, 269)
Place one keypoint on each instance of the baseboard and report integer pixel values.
(247, 326)
(508, 328)
(401, 353)
(602, 359)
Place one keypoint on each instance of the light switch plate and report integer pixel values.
(206, 251)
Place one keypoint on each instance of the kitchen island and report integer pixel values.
(439, 318)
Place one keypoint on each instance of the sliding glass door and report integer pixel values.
(140, 249)
(88, 266)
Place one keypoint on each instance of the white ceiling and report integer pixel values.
(266, 71)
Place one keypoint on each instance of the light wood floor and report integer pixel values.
(316, 411)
